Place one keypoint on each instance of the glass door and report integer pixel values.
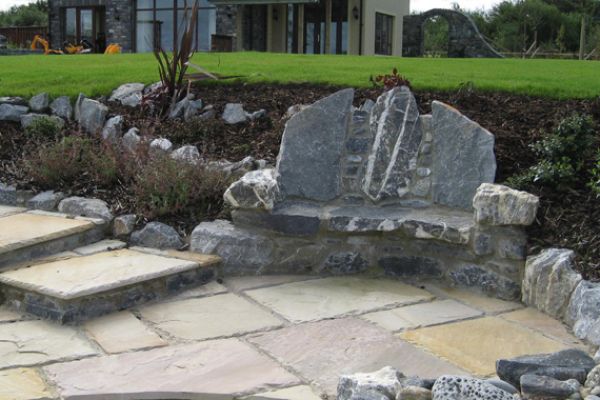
(314, 28)
(86, 26)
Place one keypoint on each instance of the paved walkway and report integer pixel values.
(286, 337)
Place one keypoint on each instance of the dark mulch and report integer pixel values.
(566, 219)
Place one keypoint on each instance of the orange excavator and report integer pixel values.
(69, 48)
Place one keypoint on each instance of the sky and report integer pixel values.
(415, 5)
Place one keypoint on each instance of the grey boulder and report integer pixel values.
(501, 205)
(188, 154)
(8, 194)
(234, 114)
(9, 112)
(243, 251)
(92, 208)
(113, 128)
(583, 312)
(157, 235)
(61, 107)
(535, 387)
(46, 201)
(40, 102)
(92, 115)
(124, 225)
(28, 119)
(127, 90)
(448, 387)
(384, 383)
(161, 144)
(562, 365)
(131, 139)
(255, 190)
(550, 280)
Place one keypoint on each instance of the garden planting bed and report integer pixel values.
(566, 218)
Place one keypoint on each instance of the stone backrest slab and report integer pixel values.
(81, 276)
(463, 157)
(394, 123)
(27, 229)
(312, 148)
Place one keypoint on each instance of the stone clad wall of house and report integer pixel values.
(227, 22)
(119, 20)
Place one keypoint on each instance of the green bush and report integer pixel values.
(71, 160)
(44, 127)
(594, 183)
(562, 154)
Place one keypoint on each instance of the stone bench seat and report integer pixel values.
(379, 189)
(438, 223)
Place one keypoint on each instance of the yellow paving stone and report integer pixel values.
(302, 392)
(120, 332)
(23, 230)
(22, 384)
(8, 210)
(473, 299)
(476, 344)
(544, 324)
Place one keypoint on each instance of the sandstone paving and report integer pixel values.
(86, 275)
(487, 304)
(225, 366)
(241, 283)
(27, 229)
(120, 332)
(23, 384)
(29, 343)
(544, 324)
(209, 317)
(322, 351)
(8, 210)
(330, 297)
(476, 344)
(301, 392)
(424, 314)
(98, 247)
(208, 289)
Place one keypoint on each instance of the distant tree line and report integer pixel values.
(527, 26)
(32, 14)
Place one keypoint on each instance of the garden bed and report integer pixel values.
(567, 218)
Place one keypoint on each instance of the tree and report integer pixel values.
(32, 14)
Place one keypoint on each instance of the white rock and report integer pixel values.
(113, 128)
(234, 113)
(256, 189)
(501, 205)
(161, 144)
(126, 90)
(188, 153)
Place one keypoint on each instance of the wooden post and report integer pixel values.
(301, 29)
(327, 26)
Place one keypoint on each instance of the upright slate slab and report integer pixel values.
(309, 161)
(394, 123)
(463, 157)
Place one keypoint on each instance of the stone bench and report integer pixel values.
(379, 189)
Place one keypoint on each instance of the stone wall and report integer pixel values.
(226, 22)
(119, 23)
(464, 39)
(254, 27)
(379, 189)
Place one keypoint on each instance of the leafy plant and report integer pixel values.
(594, 183)
(390, 81)
(561, 154)
(43, 127)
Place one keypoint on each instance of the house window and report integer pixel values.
(84, 25)
(384, 34)
(161, 23)
(339, 27)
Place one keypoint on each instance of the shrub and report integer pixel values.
(561, 154)
(164, 186)
(73, 159)
(390, 81)
(44, 127)
(594, 183)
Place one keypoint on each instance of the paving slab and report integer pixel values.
(489, 305)
(209, 317)
(424, 314)
(23, 384)
(7, 315)
(301, 392)
(220, 366)
(322, 351)
(9, 210)
(97, 273)
(27, 229)
(333, 297)
(241, 283)
(98, 247)
(120, 332)
(29, 343)
(544, 324)
(476, 344)
(210, 289)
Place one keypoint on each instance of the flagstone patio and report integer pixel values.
(234, 338)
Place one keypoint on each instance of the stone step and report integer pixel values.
(76, 288)
(27, 235)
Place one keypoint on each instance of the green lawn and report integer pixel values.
(99, 74)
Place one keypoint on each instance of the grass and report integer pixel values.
(96, 75)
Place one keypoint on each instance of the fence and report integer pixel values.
(21, 36)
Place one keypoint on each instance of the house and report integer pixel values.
(294, 26)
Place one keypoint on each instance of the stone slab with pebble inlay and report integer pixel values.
(83, 287)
